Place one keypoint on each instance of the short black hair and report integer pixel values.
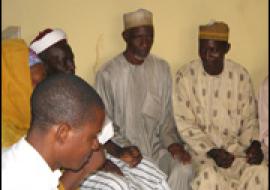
(63, 98)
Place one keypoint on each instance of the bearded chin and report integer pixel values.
(139, 57)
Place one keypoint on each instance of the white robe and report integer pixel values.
(138, 100)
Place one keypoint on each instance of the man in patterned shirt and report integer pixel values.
(216, 116)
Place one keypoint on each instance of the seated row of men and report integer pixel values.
(203, 136)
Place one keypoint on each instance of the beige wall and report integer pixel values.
(94, 28)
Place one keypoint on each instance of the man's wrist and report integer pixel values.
(175, 147)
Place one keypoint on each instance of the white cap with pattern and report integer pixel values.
(141, 17)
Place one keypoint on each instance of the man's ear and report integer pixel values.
(228, 47)
(62, 132)
(125, 36)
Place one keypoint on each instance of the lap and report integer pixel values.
(144, 176)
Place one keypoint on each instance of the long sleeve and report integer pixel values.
(168, 125)
(263, 112)
(190, 131)
(103, 87)
(249, 123)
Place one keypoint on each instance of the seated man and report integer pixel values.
(215, 112)
(263, 116)
(53, 49)
(65, 122)
(136, 89)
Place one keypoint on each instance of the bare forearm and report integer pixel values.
(113, 149)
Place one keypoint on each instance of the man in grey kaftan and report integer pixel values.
(136, 88)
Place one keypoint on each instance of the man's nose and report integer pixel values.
(209, 55)
(145, 42)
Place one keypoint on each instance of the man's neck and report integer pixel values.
(132, 59)
(37, 142)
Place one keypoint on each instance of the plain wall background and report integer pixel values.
(94, 28)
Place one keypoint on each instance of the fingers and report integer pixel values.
(225, 160)
(184, 158)
(118, 171)
(111, 167)
(132, 156)
(136, 156)
(255, 158)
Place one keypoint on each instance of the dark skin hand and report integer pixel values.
(178, 152)
(109, 166)
(254, 153)
(222, 158)
(130, 154)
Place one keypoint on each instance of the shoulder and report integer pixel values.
(265, 83)
(263, 90)
(12, 168)
(236, 67)
(189, 68)
(161, 64)
(110, 67)
(158, 60)
(8, 156)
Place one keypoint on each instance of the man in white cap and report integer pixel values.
(136, 88)
(53, 49)
(215, 112)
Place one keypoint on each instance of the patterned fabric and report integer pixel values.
(263, 115)
(218, 111)
(146, 176)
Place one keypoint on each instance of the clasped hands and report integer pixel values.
(224, 159)
(130, 155)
